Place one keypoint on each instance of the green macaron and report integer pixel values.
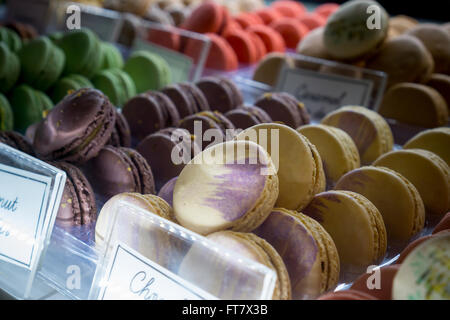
(11, 38)
(42, 63)
(111, 56)
(126, 82)
(27, 106)
(67, 84)
(148, 71)
(6, 114)
(83, 52)
(9, 68)
(111, 86)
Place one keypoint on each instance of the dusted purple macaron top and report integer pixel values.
(237, 190)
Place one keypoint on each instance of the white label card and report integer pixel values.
(322, 93)
(131, 276)
(23, 198)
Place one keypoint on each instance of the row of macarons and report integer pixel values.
(275, 191)
(45, 69)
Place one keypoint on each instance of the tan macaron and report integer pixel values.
(435, 140)
(391, 59)
(269, 68)
(414, 104)
(441, 83)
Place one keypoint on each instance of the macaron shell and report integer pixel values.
(337, 150)
(243, 46)
(197, 203)
(221, 55)
(370, 132)
(26, 107)
(272, 39)
(384, 292)
(6, 114)
(434, 140)
(444, 224)
(410, 247)
(312, 21)
(207, 17)
(166, 192)
(269, 67)
(427, 172)
(395, 197)
(350, 218)
(441, 83)
(298, 163)
(291, 30)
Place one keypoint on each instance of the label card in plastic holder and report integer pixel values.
(131, 276)
(105, 23)
(30, 194)
(145, 256)
(180, 64)
(22, 198)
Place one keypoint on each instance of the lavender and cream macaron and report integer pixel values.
(230, 186)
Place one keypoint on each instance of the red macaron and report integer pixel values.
(273, 41)
(289, 8)
(268, 15)
(207, 17)
(326, 9)
(291, 30)
(246, 19)
(221, 55)
(259, 45)
(386, 278)
(243, 46)
(444, 224)
(312, 20)
(165, 38)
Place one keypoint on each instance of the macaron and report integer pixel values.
(346, 35)
(77, 128)
(243, 46)
(268, 15)
(391, 59)
(232, 190)
(196, 96)
(11, 39)
(17, 141)
(270, 66)
(298, 164)
(221, 94)
(247, 116)
(284, 108)
(312, 21)
(207, 17)
(221, 55)
(291, 30)
(307, 250)
(441, 83)
(396, 198)
(362, 244)
(273, 40)
(77, 206)
(148, 202)
(142, 63)
(117, 170)
(370, 132)
(9, 68)
(166, 192)
(337, 150)
(114, 84)
(348, 294)
(6, 114)
(424, 274)
(437, 41)
(255, 248)
(181, 99)
(165, 37)
(400, 24)
(414, 104)
(247, 19)
(427, 172)
(435, 140)
(386, 275)
(121, 135)
(410, 247)
(167, 152)
(443, 225)
(289, 8)
(111, 56)
(312, 45)
(28, 106)
(83, 52)
(68, 84)
(24, 30)
(326, 9)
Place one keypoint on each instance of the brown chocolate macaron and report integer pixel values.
(285, 108)
(197, 124)
(196, 96)
(181, 99)
(247, 116)
(121, 135)
(77, 128)
(160, 148)
(77, 205)
(118, 170)
(16, 141)
(170, 111)
(219, 94)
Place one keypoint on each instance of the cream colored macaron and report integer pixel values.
(435, 140)
(298, 162)
(370, 132)
(269, 68)
(229, 186)
(427, 172)
(337, 150)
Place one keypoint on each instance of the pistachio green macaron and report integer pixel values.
(6, 114)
